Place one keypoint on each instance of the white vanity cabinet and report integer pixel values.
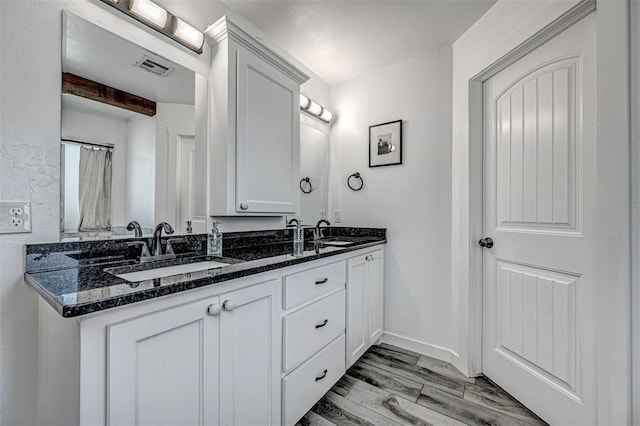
(255, 126)
(259, 350)
(163, 367)
(365, 293)
(210, 356)
(208, 362)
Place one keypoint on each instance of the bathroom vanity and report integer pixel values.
(258, 340)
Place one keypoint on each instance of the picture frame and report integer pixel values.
(385, 144)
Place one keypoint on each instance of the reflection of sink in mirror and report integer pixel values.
(167, 271)
(132, 132)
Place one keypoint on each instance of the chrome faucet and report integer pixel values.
(156, 247)
(317, 235)
(135, 226)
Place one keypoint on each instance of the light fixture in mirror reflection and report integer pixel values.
(155, 169)
(315, 109)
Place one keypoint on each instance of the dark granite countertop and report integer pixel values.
(79, 278)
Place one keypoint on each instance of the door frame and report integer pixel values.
(614, 109)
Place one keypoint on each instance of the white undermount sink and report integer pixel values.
(337, 243)
(167, 271)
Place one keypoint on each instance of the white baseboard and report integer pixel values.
(423, 348)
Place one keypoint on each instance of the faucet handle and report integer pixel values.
(145, 248)
(170, 241)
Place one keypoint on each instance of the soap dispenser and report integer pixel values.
(214, 240)
(298, 237)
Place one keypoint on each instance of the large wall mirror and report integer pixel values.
(314, 165)
(132, 145)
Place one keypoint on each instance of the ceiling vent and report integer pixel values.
(154, 66)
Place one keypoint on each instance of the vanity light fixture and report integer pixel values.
(158, 18)
(315, 109)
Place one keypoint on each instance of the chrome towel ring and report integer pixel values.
(355, 187)
(306, 180)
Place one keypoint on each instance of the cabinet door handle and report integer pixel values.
(322, 324)
(244, 206)
(322, 281)
(229, 305)
(322, 376)
(213, 309)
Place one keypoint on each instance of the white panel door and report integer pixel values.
(375, 295)
(163, 368)
(357, 330)
(539, 193)
(250, 355)
(268, 138)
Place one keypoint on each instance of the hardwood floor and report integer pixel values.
(393, 386)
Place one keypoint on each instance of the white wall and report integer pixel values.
(141, 170)
(91, 127)
(635, 199)
(30, 67)
(411, 200)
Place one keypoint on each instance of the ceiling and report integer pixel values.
(99, 55)
(342, 39)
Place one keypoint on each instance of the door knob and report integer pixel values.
(229, 305)
(244, 206)
(486, 242)
(213, 309)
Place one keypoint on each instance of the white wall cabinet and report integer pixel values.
(365, 293)
(255, 126)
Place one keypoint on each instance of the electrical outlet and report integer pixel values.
(15, 217)
(15, 222)
(323, 214)
(337, 216)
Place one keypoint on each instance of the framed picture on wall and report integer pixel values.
(385, 144)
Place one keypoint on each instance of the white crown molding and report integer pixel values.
(224, 29)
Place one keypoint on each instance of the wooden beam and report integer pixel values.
(89, 89)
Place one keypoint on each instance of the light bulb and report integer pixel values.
(149, 12)
(314, 108)
(304, 101)
(188, 34)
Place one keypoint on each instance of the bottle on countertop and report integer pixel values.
(214, 241)
(298, 237)
(189, 229)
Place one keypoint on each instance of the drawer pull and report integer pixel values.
(322, 281)
(322, 377)
(322, 324)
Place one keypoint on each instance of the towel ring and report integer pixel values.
(308, 181)
(356, 175)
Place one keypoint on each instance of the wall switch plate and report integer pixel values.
(15, 217)
(337, 216)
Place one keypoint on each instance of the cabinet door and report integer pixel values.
(268, 138)
(375, 296)
(250, 355)
(357, 334)
(163, 368)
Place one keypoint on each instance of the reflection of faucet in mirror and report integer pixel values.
(317, 234)
(135, 226)
(156, 248)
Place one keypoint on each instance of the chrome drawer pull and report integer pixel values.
(322, 377)
(323, 324)
(322, 281)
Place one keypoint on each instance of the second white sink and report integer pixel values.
(151, 274)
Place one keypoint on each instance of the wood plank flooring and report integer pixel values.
(393, 386)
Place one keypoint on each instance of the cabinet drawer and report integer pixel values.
(311, 328)
(314, 282)
(306, 385)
